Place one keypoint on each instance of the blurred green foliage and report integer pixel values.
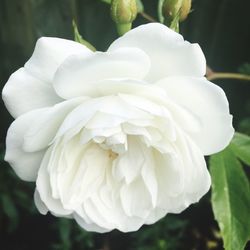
(244, 123)
(167, 235)
(15, 196)
(221, 27)
(71, 236)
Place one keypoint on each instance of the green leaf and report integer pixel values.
(240, 145)
(230, 199)
(78, 38)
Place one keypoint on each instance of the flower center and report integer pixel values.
(112, 155)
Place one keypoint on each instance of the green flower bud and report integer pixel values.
(185, 9)
(123, 12)
(171, 8)
(174, 11)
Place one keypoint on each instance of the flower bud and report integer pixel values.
(123, 12)
(171, 8)
(185, 9)
(175, 11)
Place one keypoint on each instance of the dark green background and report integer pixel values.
(221, 27)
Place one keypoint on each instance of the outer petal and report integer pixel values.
(209, 104)
(30, 87)
(49, 53)
(25, 164)
(30, 135)
(23, 93)
(91, 227)
(39, 203)
(78, 74)
(44, 189)
(171, 56)
(44, 128)
(183, 179)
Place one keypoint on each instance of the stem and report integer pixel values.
(123, 28)
(148, 17)
(225, 75)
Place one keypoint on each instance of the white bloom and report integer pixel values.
(116, 139)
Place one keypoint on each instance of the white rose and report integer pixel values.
(116, 139)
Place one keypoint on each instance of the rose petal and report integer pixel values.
(39, 203)
(132, 204)
(128, 165)
(83, 175)
(78, 75)
(49, 53)
(169, 54)
(112, 109)
(155, 215)
(91, 227)
(209, 104)
(45, 126)
(97, 216)
(43, 187)
(30, 87)
(190, 168)
(25, 164)
(23, 93)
